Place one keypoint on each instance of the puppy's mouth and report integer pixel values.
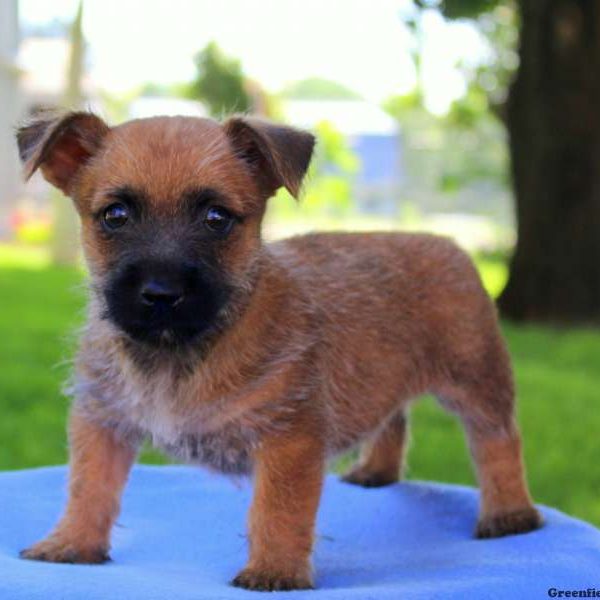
(167, 308)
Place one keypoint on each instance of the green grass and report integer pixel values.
(557, 373)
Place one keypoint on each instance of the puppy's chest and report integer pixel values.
(179, 421)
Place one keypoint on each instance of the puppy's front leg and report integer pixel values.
(288, 480)
(100, 463)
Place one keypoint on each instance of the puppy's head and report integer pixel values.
(170, 210)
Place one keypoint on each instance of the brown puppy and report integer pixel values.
(252, 358)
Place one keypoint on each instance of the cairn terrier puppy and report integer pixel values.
(258, 358)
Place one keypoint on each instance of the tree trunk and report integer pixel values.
(65, 246)
(553, 119)
(10, 169)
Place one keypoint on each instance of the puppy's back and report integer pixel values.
(379, 269)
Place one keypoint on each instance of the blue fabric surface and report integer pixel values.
(181, 535)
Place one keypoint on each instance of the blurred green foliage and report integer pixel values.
(458, 9)
(474, 143)
(330, 174)
(316, 88)
(556, 372)
(219, 83)
(500, 29)
(329, 191)
(446, 156)
(34, 232)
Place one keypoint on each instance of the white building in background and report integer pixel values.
(9, 111)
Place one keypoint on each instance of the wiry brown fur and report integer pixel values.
(322, 345)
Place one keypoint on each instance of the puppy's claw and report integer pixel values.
(57, 550)
(520, 521)
(261, 581)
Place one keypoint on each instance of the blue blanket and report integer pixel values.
(181, 535)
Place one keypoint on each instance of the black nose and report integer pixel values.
(156, 293)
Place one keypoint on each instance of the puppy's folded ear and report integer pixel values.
(277, 155)
(60, 146)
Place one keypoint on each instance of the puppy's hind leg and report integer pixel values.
(506, 506)
(381, 458)
(482, 395)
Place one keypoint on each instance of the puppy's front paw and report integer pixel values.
(60, 549)
(519, 521)
(266, 581)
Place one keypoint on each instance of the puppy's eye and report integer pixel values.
(218, 220)
(116, 215)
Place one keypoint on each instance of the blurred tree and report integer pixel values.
(220, 82)
(471, 126)
(553, 123)
(262, 103)
(316, 88)
(449, 159)
(64, 247)
(459, 9)
(553, 119)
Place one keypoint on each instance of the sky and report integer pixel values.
(363, 44)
